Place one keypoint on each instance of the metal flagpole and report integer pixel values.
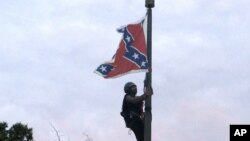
(148, 80)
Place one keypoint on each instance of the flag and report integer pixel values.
(131, 55)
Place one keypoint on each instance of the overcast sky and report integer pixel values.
(50, 48)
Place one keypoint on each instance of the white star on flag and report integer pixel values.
(143, 64)
(136, 56)
(128, 38)
(103, 68)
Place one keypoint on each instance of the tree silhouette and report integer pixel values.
(20, 132)
(3, 131)
(17, 132)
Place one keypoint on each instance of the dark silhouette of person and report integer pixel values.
(132, 109)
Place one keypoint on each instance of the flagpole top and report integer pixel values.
(150, 3)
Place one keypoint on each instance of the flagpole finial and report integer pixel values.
(150, 3)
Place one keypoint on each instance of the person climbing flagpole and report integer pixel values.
(134, 54)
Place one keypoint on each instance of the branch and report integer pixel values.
(87, 136)
(56, 131)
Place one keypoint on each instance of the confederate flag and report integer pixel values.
(131, 55)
